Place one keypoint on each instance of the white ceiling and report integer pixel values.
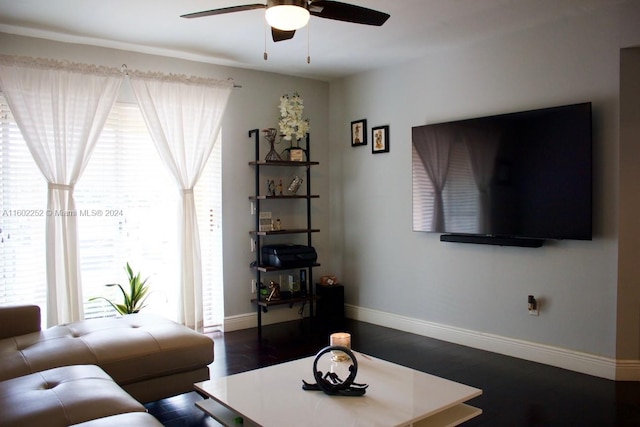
(337, 49)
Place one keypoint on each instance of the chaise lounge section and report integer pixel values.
(69, 395)
(149, 356)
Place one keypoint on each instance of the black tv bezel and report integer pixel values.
(517, 239)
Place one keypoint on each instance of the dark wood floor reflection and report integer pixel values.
(515, 392)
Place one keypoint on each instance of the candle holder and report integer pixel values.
(330, 382)
(340, 339)
(270, 137)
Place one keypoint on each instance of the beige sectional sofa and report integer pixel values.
(69, 395)
(148, 356)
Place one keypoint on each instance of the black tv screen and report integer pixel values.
(522, 175)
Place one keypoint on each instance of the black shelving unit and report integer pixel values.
(260, 269)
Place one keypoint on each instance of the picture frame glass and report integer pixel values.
(380, 139)
(358, 133)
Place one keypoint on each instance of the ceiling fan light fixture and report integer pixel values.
(287, 15)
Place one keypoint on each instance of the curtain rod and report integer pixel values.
(125, 70)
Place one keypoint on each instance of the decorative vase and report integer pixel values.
(295, 184)
(270, 136)
(293, 152)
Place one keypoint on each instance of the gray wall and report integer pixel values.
(391, 269)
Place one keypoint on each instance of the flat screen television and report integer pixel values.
(505, 179)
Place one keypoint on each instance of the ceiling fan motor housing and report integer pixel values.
(299, 3)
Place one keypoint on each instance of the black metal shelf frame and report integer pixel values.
(261, 304)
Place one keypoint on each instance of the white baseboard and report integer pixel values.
(621, 370)
(274, 315)
(603, 367)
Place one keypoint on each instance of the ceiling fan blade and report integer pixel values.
(280, 35)
(224, 10)
(347, 12)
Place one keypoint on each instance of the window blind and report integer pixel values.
(23, 203)
(461, 193)
(423, 194)
(459, 187)
(127, 212)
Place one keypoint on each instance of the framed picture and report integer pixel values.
(359, 133)
(380, 139)
(266, 223)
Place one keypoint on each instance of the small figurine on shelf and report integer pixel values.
(275, 291)
(271, 188)
(280, 188)
(278, 225)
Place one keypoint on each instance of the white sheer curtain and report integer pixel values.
(433, 144)
(60, 109)
(482, 145)
(184, 115)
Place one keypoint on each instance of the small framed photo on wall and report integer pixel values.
(380, 139)
(359, 132)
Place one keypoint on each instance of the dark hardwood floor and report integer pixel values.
(515, 392)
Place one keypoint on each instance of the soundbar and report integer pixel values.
(492, 240)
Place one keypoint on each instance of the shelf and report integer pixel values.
(268, 268)
(297, 196)
(264, 303)
(299, 229)
(289, 231)
(222, 414)
(281, 163)
(453, 416)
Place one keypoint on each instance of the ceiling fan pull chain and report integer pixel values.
(309, 43)
(265, 56)
(285, 17)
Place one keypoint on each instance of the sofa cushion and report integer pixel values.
(63, 396)
(132, 419)
(130, 348)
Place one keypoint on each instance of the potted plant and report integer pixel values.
(292, 126)
(134, 300)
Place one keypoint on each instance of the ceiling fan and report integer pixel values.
(286, 16)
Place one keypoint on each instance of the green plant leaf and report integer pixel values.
(134, 300)
(109, 301)
(122, 309)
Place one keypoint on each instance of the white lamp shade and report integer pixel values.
(287, 17)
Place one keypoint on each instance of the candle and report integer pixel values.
(342, 339)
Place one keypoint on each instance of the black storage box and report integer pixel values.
(288, 256)
(330, 306)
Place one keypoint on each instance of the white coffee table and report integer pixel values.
(397, 396)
